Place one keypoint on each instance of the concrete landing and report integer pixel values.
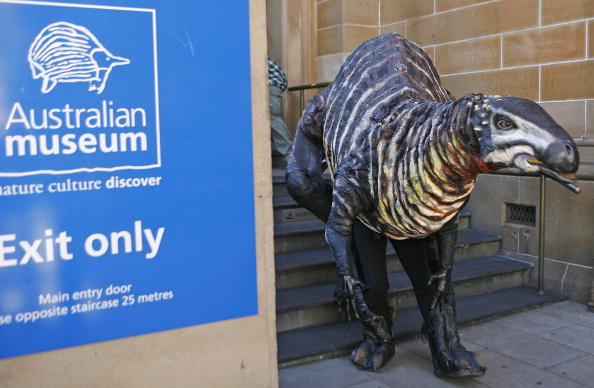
(551, 346)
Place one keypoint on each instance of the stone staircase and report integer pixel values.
(308, 324)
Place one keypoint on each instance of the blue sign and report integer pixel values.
(126, 176)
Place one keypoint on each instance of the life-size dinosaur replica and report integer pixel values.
(403, 157)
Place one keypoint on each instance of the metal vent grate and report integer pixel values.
(521, 214)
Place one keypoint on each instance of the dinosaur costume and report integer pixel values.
(403, 156)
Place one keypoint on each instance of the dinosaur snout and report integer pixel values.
(562, 156)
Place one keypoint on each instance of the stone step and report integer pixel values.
(299, 236)
(279, 183)
(337, 339)
(301, 307)
(287, 210)
(305, 268)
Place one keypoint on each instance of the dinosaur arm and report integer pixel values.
(305, 182)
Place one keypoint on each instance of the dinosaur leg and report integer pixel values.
(372, 353)
(450, 357)
(347, 204)
(428, 263)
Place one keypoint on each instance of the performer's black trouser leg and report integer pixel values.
(371, 260)
(414, 257)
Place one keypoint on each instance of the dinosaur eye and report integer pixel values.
(504, 123)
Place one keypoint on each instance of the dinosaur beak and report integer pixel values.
(559, 162)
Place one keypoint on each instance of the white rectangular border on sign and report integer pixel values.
(156, 81)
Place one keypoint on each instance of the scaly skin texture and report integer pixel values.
(403, 157)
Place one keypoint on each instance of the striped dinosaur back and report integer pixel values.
(378, 75)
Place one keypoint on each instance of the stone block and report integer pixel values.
(330, 41)
(328, 66)
(591, 39)
(329, 13)
(472, 22)
(362, 12)
(579, 370)
(590, 108)
(445, 5)
(570, 311)
(478, 54)
(555, 11)
(355, 35)
(398, 10)
(576, 336)
(519, 345)
(567, 81)
(509, 372)
(399, 27)
(326, 373)
(533, 322)
(518, 14)
(522, 82)
(569, 115)
(559, 43)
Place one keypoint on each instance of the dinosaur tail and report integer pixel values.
(305, 182)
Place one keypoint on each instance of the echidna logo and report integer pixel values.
(65, 52)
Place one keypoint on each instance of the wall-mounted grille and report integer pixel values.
(521, 214)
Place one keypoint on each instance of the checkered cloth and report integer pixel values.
(276, 75)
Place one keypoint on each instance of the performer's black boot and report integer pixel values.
(450, 357)
(373, 354)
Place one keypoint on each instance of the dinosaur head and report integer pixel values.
(515, 132)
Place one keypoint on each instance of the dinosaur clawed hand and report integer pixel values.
(345, 296)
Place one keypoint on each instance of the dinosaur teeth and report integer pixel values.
(478, 129)
(483, 115)
(485, 123)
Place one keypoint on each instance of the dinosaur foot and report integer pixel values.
(458, 362)
(372, 355)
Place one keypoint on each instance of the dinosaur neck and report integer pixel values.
(443, 132)
(455, 139)
(426, 165)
